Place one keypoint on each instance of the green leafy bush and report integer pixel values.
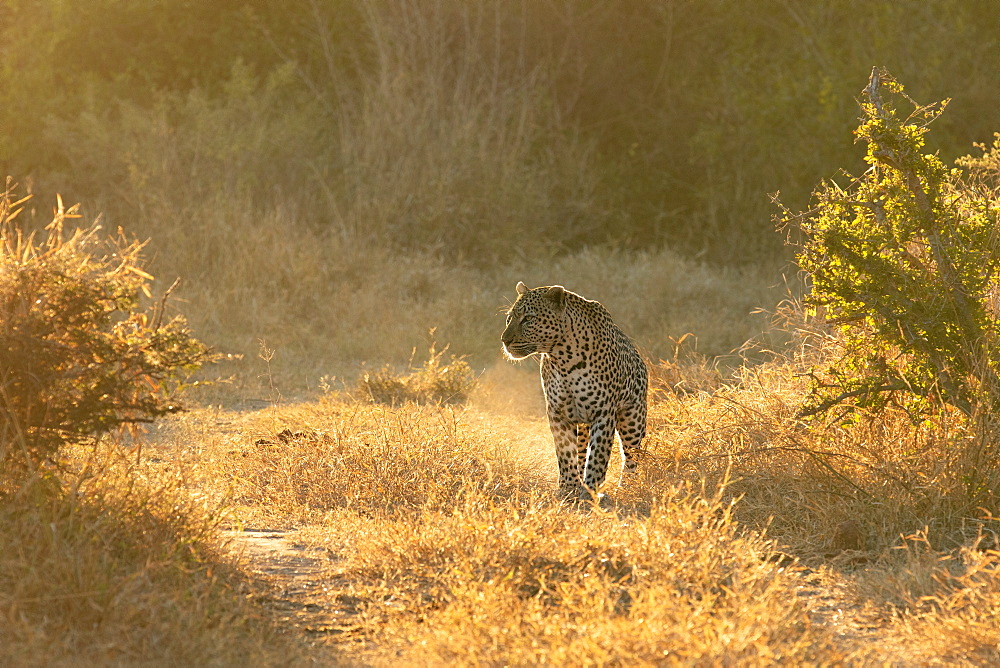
(904, 263)
(78, 355)
(904, 266)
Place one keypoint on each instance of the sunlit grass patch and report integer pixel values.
(295, 464)
(885, 476)
(447, 542)
(450, 381)
(452, 545)
(958, 620)
(536, 583)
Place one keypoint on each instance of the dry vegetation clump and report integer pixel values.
(686, 372)
(952, 600)
(78, 356)
(98, 567)
(804, 481)
(432, 382)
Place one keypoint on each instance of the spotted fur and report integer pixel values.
(594, 381)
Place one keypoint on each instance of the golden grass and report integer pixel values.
(957, 621)
(804, 481)
(444, 540)
(435, 381)
(444, 534)
(292, 466)
(327, 306)
(444, 525)
(533, 583)
(98, 567)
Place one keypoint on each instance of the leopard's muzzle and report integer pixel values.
(518, 351)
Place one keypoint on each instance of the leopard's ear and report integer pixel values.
(556, 293)
(521, 288)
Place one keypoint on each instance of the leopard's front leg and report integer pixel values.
(570, 473)
(602, 437)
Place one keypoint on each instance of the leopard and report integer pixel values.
(594, 381)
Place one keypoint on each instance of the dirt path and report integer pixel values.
(831, 602)
(298, 588)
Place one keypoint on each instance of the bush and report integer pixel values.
(78, 356)
(904, 265)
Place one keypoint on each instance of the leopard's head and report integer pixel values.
(534, 322)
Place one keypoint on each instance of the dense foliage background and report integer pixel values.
(293, 154)
(690, 111)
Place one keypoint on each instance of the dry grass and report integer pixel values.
(292, 466)
(443, 523)
(101, 567)
(531, 583)
(952, 602)
(804, 481)
(434, 381)
(327, 306)
(447, 542)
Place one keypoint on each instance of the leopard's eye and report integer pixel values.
(527, 318)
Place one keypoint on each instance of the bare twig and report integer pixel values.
(161, 307)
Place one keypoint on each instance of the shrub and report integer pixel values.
(78, 356)
(904, 262)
